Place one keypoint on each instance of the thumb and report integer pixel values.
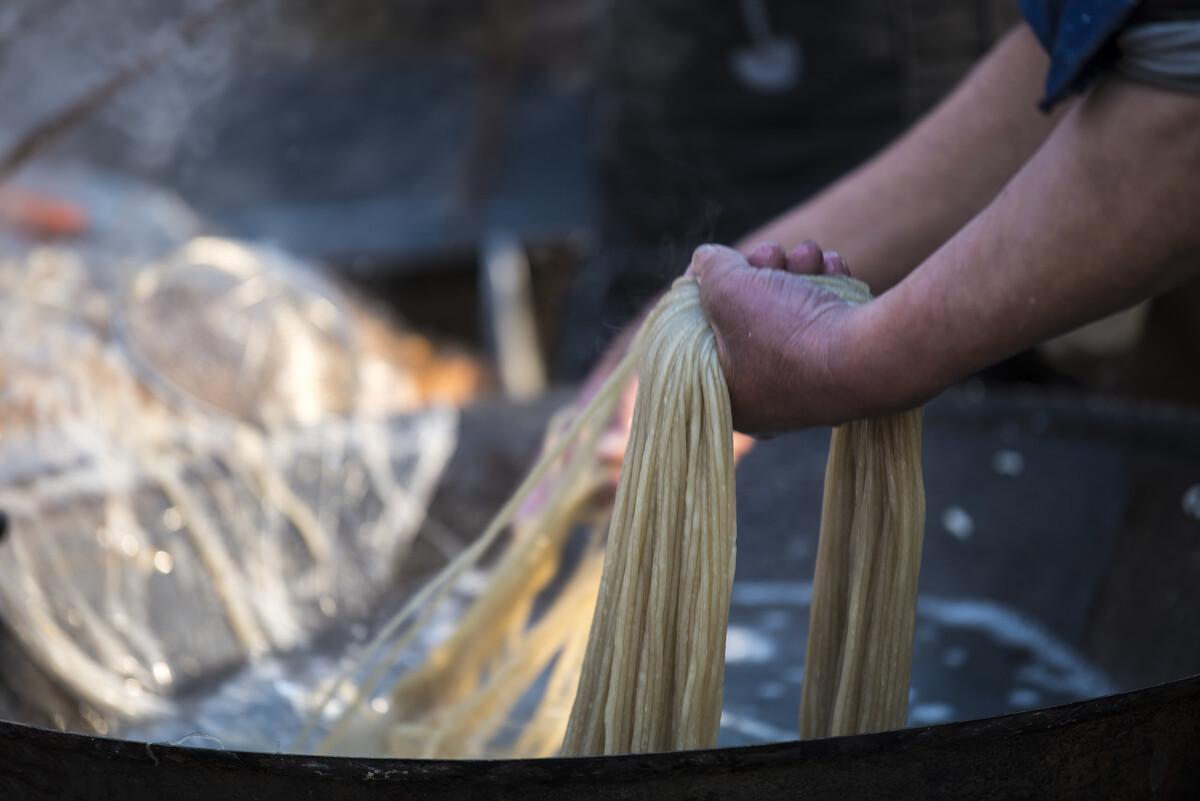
(711, 260)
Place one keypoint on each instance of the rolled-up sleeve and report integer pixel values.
(1152, 41)
(1080, 38)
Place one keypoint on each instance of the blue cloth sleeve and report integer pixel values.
(1079, 37)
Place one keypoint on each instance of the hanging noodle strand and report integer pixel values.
(650, 676)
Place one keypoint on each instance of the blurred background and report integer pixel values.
(228, 227)
(401, 145)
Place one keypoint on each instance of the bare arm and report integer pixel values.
(887, 216)
(1106, 214)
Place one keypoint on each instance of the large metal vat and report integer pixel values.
(1062, 560)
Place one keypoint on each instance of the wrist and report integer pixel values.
(876, 370)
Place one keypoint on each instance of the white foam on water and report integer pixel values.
(1071, 673)
(771, 690)
(1024, 698)
(747, 645)
(755, 729)
(930, 714)
(954, 657)
(958, 522)
(1056, 667)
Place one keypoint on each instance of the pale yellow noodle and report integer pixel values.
(650, 676)
(859, 656)
(465, 729)
(651, 680)
(571, 466)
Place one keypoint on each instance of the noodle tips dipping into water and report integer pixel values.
(650, 677)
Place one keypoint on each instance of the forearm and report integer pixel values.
(891, 213)
(1106, 214)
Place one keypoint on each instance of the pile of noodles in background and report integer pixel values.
(206, 455)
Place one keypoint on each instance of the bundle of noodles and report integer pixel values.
(651, 676)
(651, 680)
(462, 695)
(860, 632)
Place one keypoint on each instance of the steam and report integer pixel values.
(156, 114)
(53, 51)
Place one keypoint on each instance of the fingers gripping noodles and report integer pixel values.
(648, 676)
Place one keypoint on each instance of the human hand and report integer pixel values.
(613, 441)
(784, 343)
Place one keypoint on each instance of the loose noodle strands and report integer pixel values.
(467, 728)
(577, 442)
(70, 382)
(543, 735)
(495, 607)
(251, 450)
(655, 660)
(213, 553)
(495, 635)
(39, 630)
(496, 620)
(859, 657)
(650, 675)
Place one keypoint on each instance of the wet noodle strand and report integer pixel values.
(650, 676)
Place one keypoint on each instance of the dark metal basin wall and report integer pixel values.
(1132, 473)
